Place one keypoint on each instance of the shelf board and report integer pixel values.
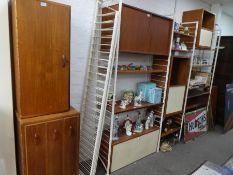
(197, 94)
(179, 50)
(201, 65)
(174, 113)
(124, 138)
(139, 71)
(170, 131)
(131, 107)
(193, 106)
(182, 57)
(182, 34)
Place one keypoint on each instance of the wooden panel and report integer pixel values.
(71, 146)
(175, 99)
(55, 148)
(135, 35)
(160, 30)
(41, 57)
(36, 149)
(133, 150)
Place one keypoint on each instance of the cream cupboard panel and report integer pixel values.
(205, 38)
(175, 99)
(133, 150)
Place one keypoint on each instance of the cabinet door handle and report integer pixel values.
(55, 134)
(148, 15)
(36, 139)
(71, 130)
(64, 61)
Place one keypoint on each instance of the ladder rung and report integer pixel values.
(104, 52)
(105, 29)
(105, 44)
(107, 14)
(101, 67)
(105, 22)
(99, 59)
(98, 74)
(104, 36)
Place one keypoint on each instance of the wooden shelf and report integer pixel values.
(170, 131)
(201, 65)
(194, 106)
(131, 107)
(139, 71)
(181, 57)
(182, 34)
(179, 50)
(197, 94)
(124, 138)
(174, 113)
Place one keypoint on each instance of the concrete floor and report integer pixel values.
(185, 158)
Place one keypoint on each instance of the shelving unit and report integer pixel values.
(115, 154)
(207, 47)
(178, 78)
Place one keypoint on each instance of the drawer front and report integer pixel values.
(36, 149)
(175, 99)
(71, 140)
(133, 150)
(54, 147)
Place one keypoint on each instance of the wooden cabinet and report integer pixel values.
(135, 35)
(41, 46)
(206, 22)
(144, 32)
(48, 145)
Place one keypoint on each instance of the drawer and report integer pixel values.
(128, 152)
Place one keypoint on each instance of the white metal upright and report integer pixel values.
(97, 84)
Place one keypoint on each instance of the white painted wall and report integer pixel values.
(226, 24)
(7, 144)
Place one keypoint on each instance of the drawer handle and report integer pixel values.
(148, 15)
(36, 139)
(71, 130)
(55, 134)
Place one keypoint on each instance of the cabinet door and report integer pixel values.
(135, 35)
(36, 149)
(42, 62)
(71, 140)
(160, 30)
(55, 147)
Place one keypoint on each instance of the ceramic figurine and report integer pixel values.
(152, 119)
(177, 43)
(183, 46)
(147, 124)
(186, 30)
(128, 127)
(128, 96)
(138, 99)
(115, 128)
(138, 126)
(123, 104)
(176, 27)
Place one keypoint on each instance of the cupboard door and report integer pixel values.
(42, 62)
(160, 30)
(135, 35)
(54, 147)
(71, 140)
(36, 149)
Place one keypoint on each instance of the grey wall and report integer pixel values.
(7, 144)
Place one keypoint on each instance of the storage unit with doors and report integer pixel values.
(41, 46)
(178, 78)
(206, 27)
(141, 33)
(49, 144)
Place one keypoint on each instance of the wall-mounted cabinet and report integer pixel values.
(144, 32)
(206, 25)
(41, 46)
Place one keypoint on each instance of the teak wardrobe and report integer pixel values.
(47, 127)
